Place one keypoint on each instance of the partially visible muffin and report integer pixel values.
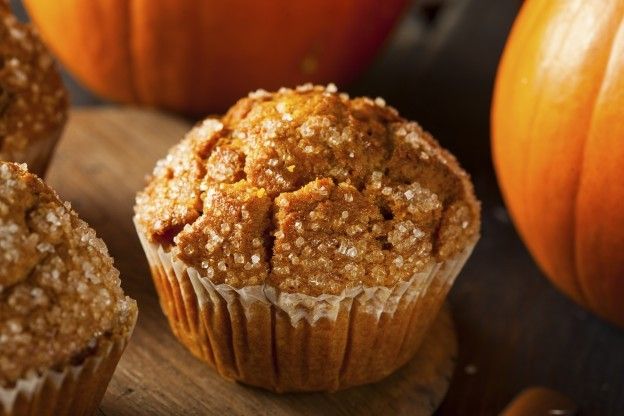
(33, 100)
(315, 236)
(63, 313)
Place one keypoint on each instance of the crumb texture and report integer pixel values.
(33, 101)
(59, 290)
(310, 191)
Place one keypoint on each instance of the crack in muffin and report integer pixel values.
(60, 294)
(311, 192)
(33, 101)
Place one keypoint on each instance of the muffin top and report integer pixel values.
(59, 291)
(33, 101)
(311, 192)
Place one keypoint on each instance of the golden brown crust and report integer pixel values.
(59, 291)
(227, 243)
(33, 101)
(353, 194)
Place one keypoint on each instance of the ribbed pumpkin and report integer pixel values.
(558, 144)
(198, 56)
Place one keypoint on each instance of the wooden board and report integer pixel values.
(100, 164)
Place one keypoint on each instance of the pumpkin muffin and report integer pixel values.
(64, 320)
(305, 241)
(33, 101)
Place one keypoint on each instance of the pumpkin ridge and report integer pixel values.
(580, 281)
(558, 92)
(530, 213)
(507, 60)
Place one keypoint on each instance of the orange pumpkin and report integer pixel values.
(558, 144)
(200, 56)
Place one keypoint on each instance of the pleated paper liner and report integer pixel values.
(72, 390)
(294, 342)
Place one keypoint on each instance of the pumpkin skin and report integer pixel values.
(558, 144)
(199, 56)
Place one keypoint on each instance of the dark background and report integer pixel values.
(514, 329)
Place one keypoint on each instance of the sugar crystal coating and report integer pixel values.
(310, 191)
(59, 291)
(224, 241)
(33, 101)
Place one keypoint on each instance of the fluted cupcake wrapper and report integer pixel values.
(71, 390)
(282, 341)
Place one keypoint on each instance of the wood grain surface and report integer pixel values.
(100, 164)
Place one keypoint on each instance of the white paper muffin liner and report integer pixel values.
(72, 390)
(282, 341)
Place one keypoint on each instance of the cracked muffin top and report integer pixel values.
(33, 101)
(59, 291)
(311, 192)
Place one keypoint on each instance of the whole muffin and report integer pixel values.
(305, 241)
(64, 320)
(33, 101)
